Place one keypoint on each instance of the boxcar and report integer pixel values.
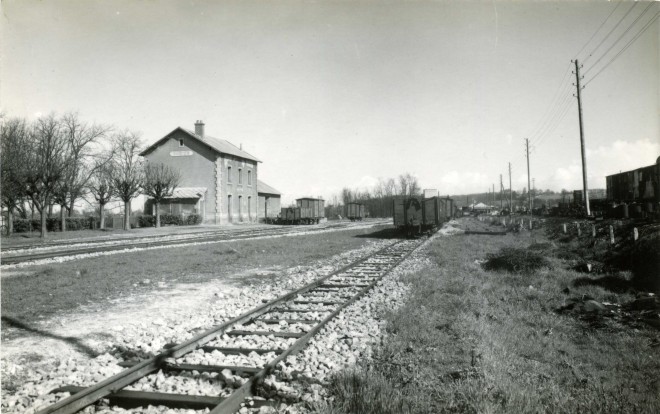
(312, 210)
(290, 215)
(433, 212)
(408, 214)
(355, 211)
(639, 185)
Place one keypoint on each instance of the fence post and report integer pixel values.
(635, 234)
(611, 234)
(564, 226)
(593, 231)
(578, 229)
(530, 224)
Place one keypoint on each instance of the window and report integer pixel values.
(249, 177)
(229, 173)
(249, 205)
(240, 176)
(240, 207)
(181, 142)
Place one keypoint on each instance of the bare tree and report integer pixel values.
(14, 135)
(127, 175)
(82, 139)
(408, 185)
(46, 164)
(160, 181)
(100, 186)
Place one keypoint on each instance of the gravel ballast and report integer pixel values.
(300, 379)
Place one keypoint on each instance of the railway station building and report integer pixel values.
(218, 179)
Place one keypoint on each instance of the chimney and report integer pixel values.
(199, 128)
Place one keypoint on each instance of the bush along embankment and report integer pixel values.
(169, 220)
(55, 224)
(483, 330)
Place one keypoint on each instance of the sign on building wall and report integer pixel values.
(180, 153)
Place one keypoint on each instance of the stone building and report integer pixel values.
(218, 179)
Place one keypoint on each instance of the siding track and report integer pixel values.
(307, 309)
(17, 255)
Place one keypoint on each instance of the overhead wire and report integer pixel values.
(599, 27)
(610, 32)
(562, 101)
(618, 39)
(641, 32)
(560, 87)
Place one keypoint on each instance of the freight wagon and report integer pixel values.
(640, 185)
(634, 193)
(307, 211)
(355, 211)
(312, 210)
(417, 214)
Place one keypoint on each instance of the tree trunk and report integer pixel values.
(10, 221)
(44, 230)
(71, 206)
(50, 210)
(157, 214)
(102, 213)
(127, 214)
(62, 218)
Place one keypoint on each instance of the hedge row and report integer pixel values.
(169, 219)
(84, 223)
(54, 224)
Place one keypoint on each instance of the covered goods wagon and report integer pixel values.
(355, 211)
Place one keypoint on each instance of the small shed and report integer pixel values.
(269, 201)
(184, 201)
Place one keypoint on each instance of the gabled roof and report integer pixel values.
(220, 145)
(263, 188)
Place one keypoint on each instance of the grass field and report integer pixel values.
(37, 292)
(471, 340)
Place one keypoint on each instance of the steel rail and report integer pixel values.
(232, 403)
(115, 383)
(111, 245)
(183, 235)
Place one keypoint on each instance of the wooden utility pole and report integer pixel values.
(501, 194)
(510, 192)
(534, 195)
(529, 188)
(584, 156)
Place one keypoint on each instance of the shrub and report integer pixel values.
(54, 224)
(25, 225)
(194, 219)
(80, 223)
(169, 219)
(147, 221)
(515, 260)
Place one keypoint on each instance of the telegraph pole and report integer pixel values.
(529, 188)
(510, 192)
(584, 156)
(501, 194)
(534, 187)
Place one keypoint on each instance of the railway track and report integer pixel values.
(21, 255)
(293, 318)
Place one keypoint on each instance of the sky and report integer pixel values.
(338, 94)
